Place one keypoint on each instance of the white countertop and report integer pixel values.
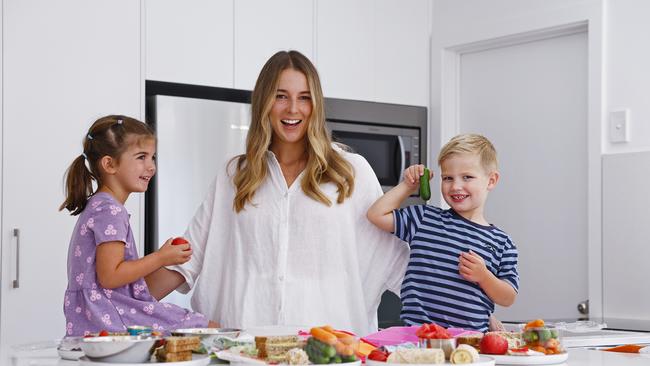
(577, 357)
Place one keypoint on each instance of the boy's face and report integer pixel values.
(465, 185)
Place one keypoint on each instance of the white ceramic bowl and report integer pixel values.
(119, 349)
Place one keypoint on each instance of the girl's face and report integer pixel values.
(137, 166)
(465, 185)
(291, 109)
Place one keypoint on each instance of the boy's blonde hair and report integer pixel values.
(471, 143)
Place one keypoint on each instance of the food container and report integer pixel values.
(543, 339)
(119, 349)
(207, 335)
(447, 345)
(136, 330)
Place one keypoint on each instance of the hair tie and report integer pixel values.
(119, 121)
(89, 137)
(84, 156)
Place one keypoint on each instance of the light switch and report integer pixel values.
(619, 129)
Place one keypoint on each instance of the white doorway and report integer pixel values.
(529, 96)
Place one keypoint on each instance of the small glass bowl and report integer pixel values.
(447, 345)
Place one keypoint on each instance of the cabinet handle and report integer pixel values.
(17, 236)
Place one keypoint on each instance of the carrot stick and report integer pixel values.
(626, 348)
(323, 336)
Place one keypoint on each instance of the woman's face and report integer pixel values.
(291, 109)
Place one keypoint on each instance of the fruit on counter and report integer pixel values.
(425, 188)
(493, 344)
(463, 354)
(432, 331)
(378, 355)
(179, 240)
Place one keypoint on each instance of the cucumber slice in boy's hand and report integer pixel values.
(425, 188)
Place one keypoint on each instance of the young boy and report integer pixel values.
(460, 265)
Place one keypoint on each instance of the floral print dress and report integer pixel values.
(90, 308)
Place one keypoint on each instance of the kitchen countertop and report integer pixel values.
(577, 357)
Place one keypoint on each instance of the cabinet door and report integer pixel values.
(264, 27)
(65, 64)
(376, 50)
(190, 42)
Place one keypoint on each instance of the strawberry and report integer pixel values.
(179, 240)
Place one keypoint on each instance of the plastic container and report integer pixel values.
(543, 339)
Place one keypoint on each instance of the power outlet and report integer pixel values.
(619, 129)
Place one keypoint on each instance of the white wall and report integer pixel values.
(618, 78)
(627, 74)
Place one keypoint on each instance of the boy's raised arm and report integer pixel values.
(381, 212)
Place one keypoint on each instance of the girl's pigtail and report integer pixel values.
(78, 186)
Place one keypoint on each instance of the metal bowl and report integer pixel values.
(119, 349)
(446, 345)
(207, 335)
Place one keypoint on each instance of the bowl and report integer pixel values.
(447, 345)
(207, 335)
(119, 349)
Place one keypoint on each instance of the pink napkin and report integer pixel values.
(396, 335)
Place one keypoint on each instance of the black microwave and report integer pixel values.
(391, 137)
(388, 150)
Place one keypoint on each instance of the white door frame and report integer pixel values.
(449, 125)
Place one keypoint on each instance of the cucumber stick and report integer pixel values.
(425, 188)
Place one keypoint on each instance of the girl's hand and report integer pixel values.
(412, 176)
(472, 267)
(174, 254)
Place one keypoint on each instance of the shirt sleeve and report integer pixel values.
(407, 220)
(383, 258)
(197, 233)
(109, 222)
(508, 266)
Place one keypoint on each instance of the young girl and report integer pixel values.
(106, 287)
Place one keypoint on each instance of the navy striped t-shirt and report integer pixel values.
(433, 289)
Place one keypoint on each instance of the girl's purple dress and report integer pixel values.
(90, 308)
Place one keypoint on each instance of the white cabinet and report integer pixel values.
(65, 63)
(376, 50)
(190, 41)
(264, 27)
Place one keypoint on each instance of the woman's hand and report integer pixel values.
(171, 254)
(412, 176)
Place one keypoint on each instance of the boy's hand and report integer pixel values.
(174, 254)
(412, 176)
(472, 267)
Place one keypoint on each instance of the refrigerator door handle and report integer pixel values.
(17, 236)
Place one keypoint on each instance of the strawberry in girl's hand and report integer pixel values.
(179, 240)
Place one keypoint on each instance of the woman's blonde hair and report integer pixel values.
(471, 144)
(324, 164)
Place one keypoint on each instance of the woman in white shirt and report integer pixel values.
(282, 237)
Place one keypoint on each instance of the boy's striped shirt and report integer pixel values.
(433, 290)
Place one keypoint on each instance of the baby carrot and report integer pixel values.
(323, 336)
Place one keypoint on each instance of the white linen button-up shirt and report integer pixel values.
(289, 259)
